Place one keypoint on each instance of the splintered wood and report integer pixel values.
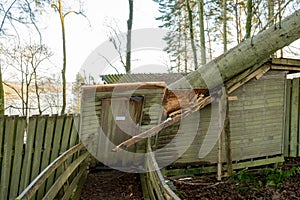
(177, 105)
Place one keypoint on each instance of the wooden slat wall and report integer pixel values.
(24, 154)
(92, 112)
(292, 130)
(256, 124)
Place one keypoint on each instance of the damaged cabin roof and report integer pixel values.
(286, 64)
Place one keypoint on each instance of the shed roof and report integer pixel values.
(131, 78)
(286, 64)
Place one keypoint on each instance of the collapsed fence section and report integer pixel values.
(28, 146)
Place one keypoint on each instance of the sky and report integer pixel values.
(84, 35)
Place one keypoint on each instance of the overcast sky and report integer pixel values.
(83, 36)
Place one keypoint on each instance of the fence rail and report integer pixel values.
(27, 148)
(36, 184)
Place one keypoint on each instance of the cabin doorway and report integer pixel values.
(120, 120)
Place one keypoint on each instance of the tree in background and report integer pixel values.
(27, 61)
(2, 100)
(179, 17)
(249, 18)
(192, 30)
(226, 22)
(13, 14)
(58, 6)
(201, 31)
(129, 29)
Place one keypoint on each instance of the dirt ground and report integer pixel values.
(246, 184)
(112, 185)
(253, 184)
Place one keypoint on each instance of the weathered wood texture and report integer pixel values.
(153, 183)
(24, 154)
(100, 128)
(61, 181)
(256, 125)
(292, 130)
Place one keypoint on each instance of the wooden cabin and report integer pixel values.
(257, 105)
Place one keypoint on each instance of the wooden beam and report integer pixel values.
(285, 68)
(123, 87)
(228, 140)
(244, 80)
(222, 112)
(285, 62)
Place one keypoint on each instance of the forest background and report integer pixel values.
(43, 43)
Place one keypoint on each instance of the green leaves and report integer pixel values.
(265, 177)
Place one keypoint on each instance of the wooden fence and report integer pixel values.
(25, 152)
(69, 182)
(153, 183)
(292, 119)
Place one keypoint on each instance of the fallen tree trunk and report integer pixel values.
(213, 74)
(248, 53)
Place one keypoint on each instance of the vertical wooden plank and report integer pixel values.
(74, 137)
(27, 169)
(294, 118)
(75, 131)
(55, 146)
(38, 145)
(66, 134)
(298, 133)
(7, 157)
(287, 117)
(18, 155)
(49, 131)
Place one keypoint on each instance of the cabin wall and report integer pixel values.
(93, 124)
(256, 125)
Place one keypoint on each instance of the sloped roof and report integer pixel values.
(132, 78)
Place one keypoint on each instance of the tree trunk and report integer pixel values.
(202, 33)
(249, 18)
(245, 55)
(190, 16)
(2, 109)
(129, 28)
(63, 71)
(224, 26)
(233, 62)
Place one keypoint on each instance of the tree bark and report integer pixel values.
(190, 17)
(249, 18)
(1, 93)
(63, 71)
(224, 26)
(129, 28)
(202, 33)
(248, 53)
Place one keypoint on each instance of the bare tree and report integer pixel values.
(202, 33)
(129, 29)
(58, 6)
(26, 61)
(2, 101)
(191, 27)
